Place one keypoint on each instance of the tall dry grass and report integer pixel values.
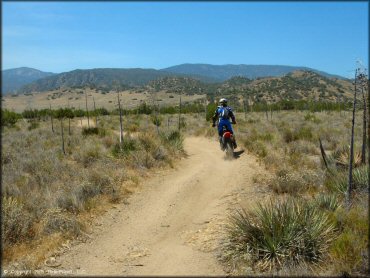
(288, 146)
(46, 192)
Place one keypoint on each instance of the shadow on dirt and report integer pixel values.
(238, 153)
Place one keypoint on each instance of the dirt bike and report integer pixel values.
(227, 143)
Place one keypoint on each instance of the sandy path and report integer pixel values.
(170, 227)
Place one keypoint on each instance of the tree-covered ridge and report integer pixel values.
(97, 78)
(300, 85)
(180, 85)
(225, 72)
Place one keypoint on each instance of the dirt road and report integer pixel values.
(172, 226)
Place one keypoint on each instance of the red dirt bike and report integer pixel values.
(227, 142)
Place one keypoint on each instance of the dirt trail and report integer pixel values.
(172, 226)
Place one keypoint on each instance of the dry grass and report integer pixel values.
(289, 148)
(47, 193)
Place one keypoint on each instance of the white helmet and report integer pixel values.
(223, 101)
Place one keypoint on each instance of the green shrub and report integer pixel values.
(147, 142)
(156, 120)
(182, 122)
(302, 133)
(174, 139)
(312, 118)
(337, 181)
(33, 125)
(328, 201)
(9, 118)
(278, 234)
(255, 146)
(211, 108)
(90, 131)
(127, 146)
(350, 249)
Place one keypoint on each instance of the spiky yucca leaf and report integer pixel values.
(327, 201)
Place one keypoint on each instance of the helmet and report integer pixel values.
(223, 101)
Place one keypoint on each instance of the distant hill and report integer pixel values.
(224, 72)
(102, 78)
(295, 85)
(13, 79)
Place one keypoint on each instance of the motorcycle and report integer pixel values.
(227, 143)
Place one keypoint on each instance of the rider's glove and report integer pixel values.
(213, 125)
(234, 123)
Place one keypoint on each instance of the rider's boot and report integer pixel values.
(221, 145)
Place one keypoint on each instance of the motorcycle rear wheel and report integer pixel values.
(229, 150)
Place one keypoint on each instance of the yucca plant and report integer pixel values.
(360, 177)
(327, 201)
(278, 234)
(337, 181)
(175, 139)
(341, 157)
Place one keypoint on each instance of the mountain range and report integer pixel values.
(224, 72)
(25, 80)
(13, 79)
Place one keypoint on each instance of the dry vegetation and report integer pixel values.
(49, 197)
(305, 228)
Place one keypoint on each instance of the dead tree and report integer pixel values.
(69, 126)
(120, 120)
(70, 114)
(205, 109)
(323, 154)
(362, 81)
(96, 115)
(350, 172)
(51, 119)
(61, 128)
(267, 115)
(245, 109)
(155, 120)
(180, 114)
(87, 112)
(79, 108)
(368, 133)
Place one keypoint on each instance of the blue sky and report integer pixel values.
(62, 36)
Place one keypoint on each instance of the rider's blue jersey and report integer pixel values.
(224, 113)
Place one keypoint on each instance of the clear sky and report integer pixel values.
(62, 36)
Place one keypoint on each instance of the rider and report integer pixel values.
(223, 113)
